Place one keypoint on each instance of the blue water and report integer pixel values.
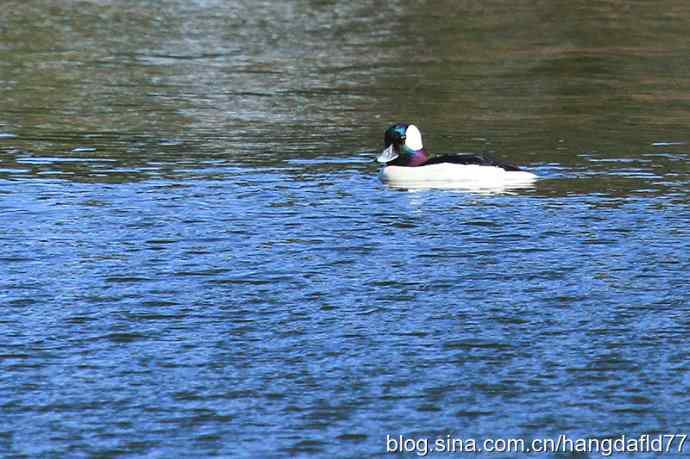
(253, 315)
(197, 258)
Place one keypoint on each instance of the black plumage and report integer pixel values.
(480, 160)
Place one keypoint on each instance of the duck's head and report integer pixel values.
(403, 142)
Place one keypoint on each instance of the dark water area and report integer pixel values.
(197, 258)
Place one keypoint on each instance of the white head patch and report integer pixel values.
(413, 137)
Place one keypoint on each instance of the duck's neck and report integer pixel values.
(410, 157)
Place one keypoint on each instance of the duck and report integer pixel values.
(406, 162)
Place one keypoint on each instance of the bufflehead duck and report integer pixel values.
(406, 162)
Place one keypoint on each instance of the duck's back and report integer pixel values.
(478, 160)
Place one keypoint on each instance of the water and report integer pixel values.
(198, 259)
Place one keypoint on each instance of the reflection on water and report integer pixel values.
(199, 259)
(464, 188)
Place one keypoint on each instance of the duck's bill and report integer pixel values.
(387, 155)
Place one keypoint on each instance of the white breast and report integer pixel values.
(455, 175)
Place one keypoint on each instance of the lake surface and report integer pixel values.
(197, 258)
